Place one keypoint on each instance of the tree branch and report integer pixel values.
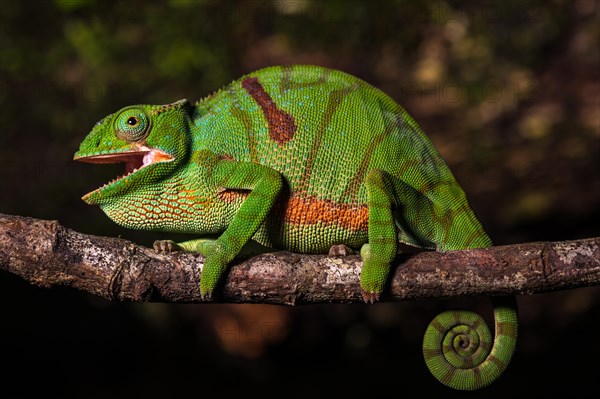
(47, 254)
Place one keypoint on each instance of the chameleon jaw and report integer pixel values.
(134, 159)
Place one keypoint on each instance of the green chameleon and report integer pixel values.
(301, 158)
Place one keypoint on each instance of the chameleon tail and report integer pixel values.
(457, 344)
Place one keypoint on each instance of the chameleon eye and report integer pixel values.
(132, 125)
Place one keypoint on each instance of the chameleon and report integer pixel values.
(301, 158)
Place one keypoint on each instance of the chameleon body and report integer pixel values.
(300, 158)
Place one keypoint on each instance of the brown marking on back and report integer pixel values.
(281, 124)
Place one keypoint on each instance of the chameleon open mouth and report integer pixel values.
(134, 160)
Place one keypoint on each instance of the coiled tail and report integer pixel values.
(459, 350)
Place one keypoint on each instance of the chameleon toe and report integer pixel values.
(165, 246)
(206, 296)
(370, 297)
(340, 250)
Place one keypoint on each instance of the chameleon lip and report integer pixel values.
(134, 160)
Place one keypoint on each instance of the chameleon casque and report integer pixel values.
(301, 158)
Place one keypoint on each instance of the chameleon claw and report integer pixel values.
(370, 297)
(206, 296)
(165, 246)
(340, 250)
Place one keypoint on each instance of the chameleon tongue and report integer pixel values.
(136, 161)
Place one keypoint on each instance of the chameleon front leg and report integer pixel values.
(265, 185)
(381, 250)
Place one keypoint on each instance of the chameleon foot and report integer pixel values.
(165, 246)
(213, 271)
(373, 275)
(340, 250)
(206, 296)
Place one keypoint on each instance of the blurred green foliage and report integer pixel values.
(509, 91)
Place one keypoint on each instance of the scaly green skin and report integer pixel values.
(299, 158)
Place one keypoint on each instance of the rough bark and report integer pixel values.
(48, 254)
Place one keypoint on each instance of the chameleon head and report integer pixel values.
(152, 141)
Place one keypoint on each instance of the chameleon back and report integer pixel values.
(324, 131)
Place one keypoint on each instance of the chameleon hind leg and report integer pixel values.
(381, 249)
(458, 347)
(200, 245)
(203, 246)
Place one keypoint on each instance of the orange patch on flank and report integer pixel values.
(311, 210)
(300, 210)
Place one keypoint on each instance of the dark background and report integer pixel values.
(509, 91)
